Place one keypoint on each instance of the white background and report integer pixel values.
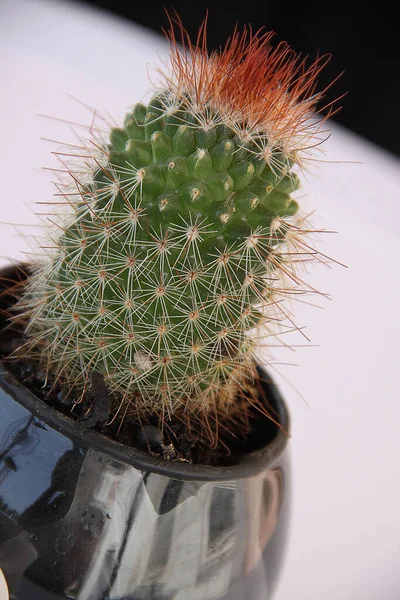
(344, 394)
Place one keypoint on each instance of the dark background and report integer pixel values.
(363, 39)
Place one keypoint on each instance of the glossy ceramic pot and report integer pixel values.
(86, 518)
(83, 517)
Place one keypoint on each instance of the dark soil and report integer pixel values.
(174, 441)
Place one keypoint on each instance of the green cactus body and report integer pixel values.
(161, 276)
(173, 255)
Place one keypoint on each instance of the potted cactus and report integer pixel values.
(142, 444)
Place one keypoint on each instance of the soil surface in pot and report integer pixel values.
(174, 441)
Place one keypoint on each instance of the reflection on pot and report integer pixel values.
(19, 439)
(78, 523)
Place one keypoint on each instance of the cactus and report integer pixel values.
(183, 237)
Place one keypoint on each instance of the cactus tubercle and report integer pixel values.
(180, 240)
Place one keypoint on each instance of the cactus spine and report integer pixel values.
(183, 236)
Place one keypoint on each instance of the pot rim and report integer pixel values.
(250, 464)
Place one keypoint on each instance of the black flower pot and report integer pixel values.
(86, 518)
